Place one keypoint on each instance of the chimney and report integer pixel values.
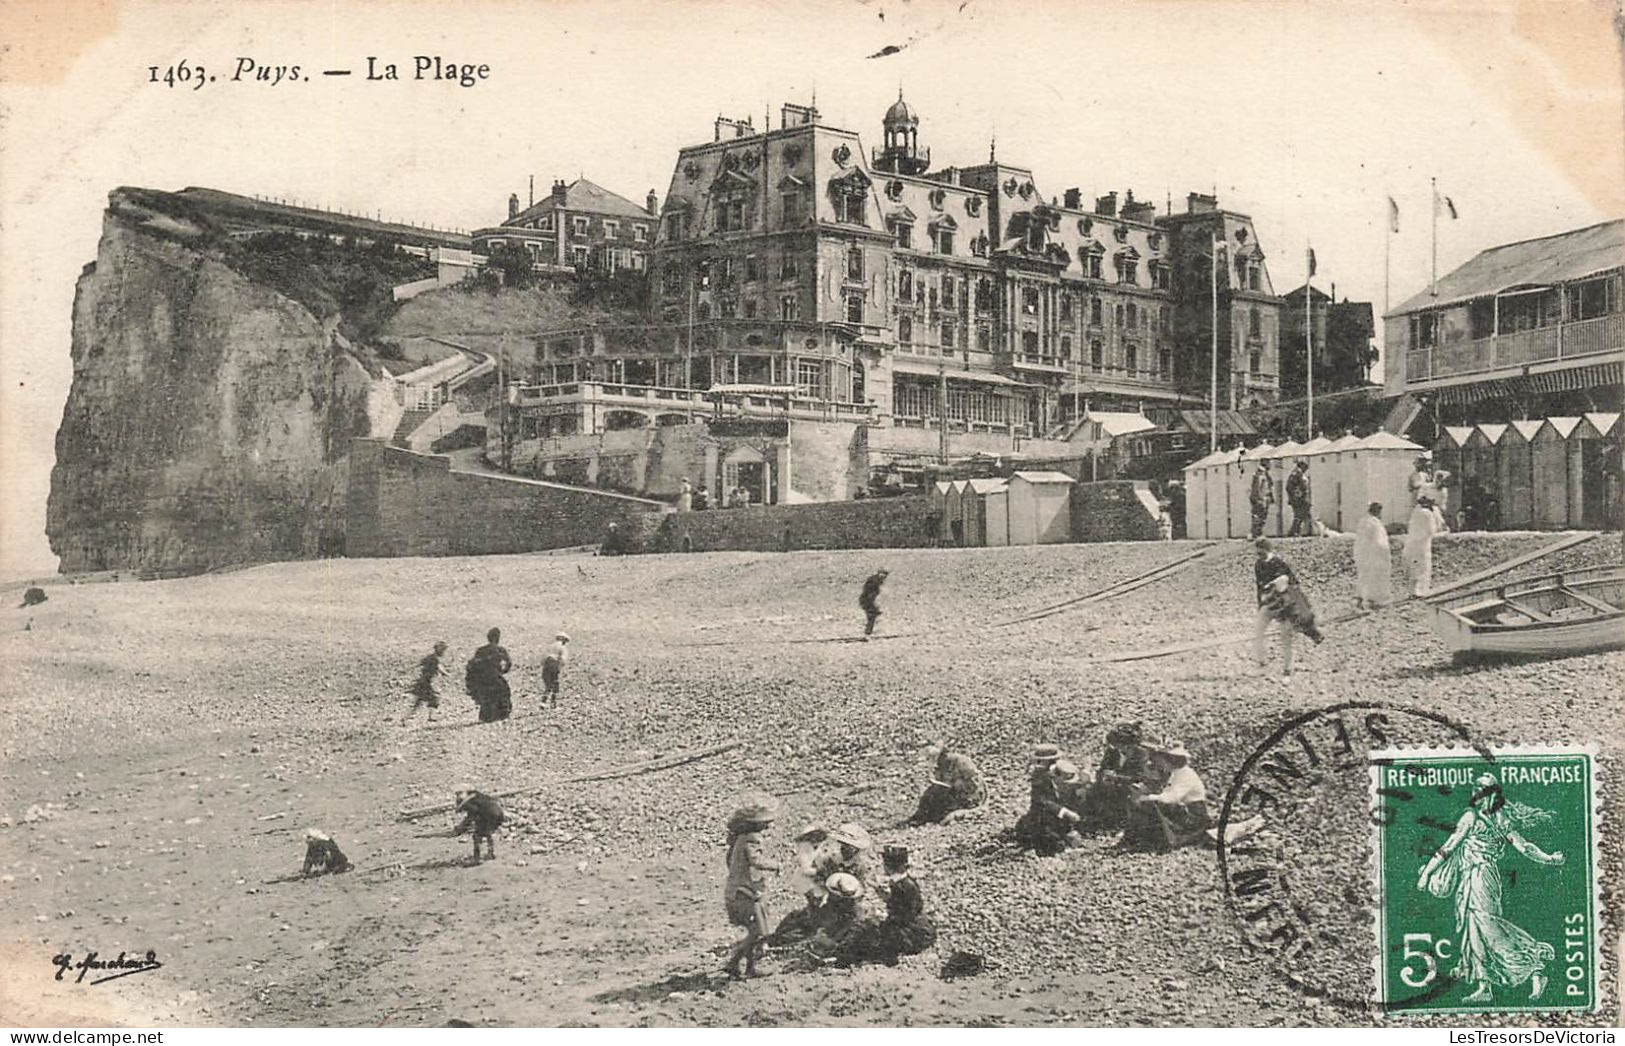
(513, 206)
(1201, 203)
(797, 115)
(559, 189)
(1073, 199)
(1106, 206)
(1137, 210)
(651, 203)
(727, 129)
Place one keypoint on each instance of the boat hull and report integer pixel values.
(1554, 616)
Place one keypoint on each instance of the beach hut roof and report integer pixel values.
(1286, 450)
(1263, 450)
(1345, 441)
(1561, 428)
(943, 486)
(1525, 430)
(1210, 458)
(1457, 435)
(1603, 422)
(986, 486)
(1387, 441)
(1490, 433)
(1044, 477)
(1317, 445)
(1120, 423)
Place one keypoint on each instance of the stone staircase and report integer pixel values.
(408, 424)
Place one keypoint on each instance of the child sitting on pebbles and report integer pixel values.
(743, 896)
(322, 854)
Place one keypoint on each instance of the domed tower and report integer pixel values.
(901, 134)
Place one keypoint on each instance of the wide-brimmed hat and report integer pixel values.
(562, 636)
(317, 835)
(844, 884)
(1172, 750)
(812, 833)
(1046, 753)
(854, 835)
(754, 809)
(1064, 770)
(1125, 734)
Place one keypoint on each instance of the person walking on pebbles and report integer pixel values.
(553, 665)
(485, 681)
(1373, 561)
(424, 691)
(1420, 528)
(482, 815)
(1280, 601)
(1260, 496)
(869, 600)
(746, 888)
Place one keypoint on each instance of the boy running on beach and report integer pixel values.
(552, 665)
(429, 670)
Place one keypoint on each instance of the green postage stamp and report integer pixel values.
(1486, 880)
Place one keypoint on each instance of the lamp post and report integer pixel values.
(1213, 392)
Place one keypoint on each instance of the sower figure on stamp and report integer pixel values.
(869, 600)
(1495, 953)
(482, 815)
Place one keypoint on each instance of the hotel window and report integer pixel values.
(1029, 301)
(854, 263)
(854, 307)
(1066, 346)
(810, 377)
(1128, 271)
(1029, 343)
(1094, 312)
(640, 233)
(1253, 276)
(1118, 316)
(1163, 361)
(1593, 298)
(1091, 266)
(904, 233)
(611, 229)
(546, 223)
(578, 256)
(1131, 357)
(1133, 315)
(1255, 362)
(945, 241)
(578, 226)
(731, 214)
(671, 280)
(852, 208)
(787, 307)
(984, 339)
(984, 295)
(1096, 353)
(753, 268)
(788, 269)
(726, 309)
(792, 208)
(676, 226)
(750, 308)
(905, 331)
(1066, 307)
(1254, 323)
(948, 293)
(1159, 277)
(905, 286)
(1424, 330)
(949, 332)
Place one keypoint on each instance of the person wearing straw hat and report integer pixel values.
(906, 929)
(1124, 765)
(955, 785)
(838, 916)
(840, 852)
(482, 815)
(322, 854)
(1049, 825)
(1373, 561)
(746, 888)
(1297, 498)
(1174, 816)
(552, 665)
(1420, 529)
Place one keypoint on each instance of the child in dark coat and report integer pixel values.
(906, 930)
(322, 854)
(423, 691)
(482, 815)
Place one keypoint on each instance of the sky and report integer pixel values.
(1307, 117)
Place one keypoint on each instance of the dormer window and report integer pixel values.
(732, 215)
(854, 263)
(945, 240)
(1160, 277)
(894, 190)
(903, 232)
(545, 224)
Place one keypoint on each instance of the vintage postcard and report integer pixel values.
(841, 513)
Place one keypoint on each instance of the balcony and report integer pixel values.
(1509, 351)
(655, 400)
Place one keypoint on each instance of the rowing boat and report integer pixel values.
(1552, 616)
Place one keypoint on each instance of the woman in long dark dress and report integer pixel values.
(906, 930)
(486, 684)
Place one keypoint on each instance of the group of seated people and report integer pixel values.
(852, 914)
(1145, 789)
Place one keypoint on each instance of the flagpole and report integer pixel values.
(1309, 341)
(1387, 250)
(1213, 397)
(1433, 270)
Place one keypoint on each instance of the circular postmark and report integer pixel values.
(1295, 844)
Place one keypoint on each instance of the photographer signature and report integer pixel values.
(122, 966)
